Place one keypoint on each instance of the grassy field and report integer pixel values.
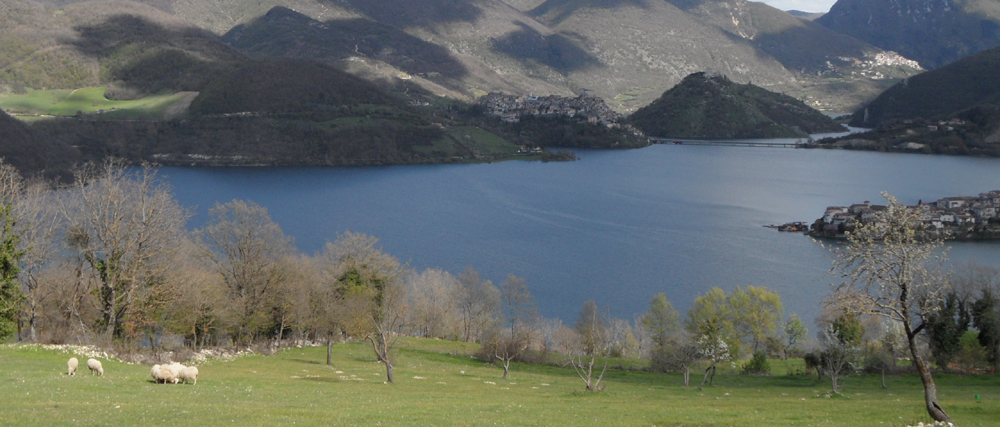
(91, 100)
(438, 383)
(466, 140)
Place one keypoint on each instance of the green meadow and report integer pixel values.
(38, 103)
(439, 383)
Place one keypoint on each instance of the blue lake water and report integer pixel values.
(615, 226)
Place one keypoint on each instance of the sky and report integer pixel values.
(803, 5)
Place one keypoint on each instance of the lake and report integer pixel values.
(615, 226)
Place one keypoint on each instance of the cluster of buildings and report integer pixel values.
(946, 212)
(510, 108)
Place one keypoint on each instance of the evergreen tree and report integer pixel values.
(946, 327)
(10, 261)
(986, 318)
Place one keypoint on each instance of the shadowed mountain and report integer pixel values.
(31, 155)
(142, 57)
(287, 86)
(708, 105)
(963, 84)
(933, 33)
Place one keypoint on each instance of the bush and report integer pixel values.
(758, 365)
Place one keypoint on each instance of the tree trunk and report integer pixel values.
(687, 376)
(930, 390)
(388, 370)
(329, 351)
(705, 378)
(833, 381)
(506, 368)
(883, 377)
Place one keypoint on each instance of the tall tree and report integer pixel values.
(10, 253)
(125, 224)
(520, 314)
(370, 290)
(478, 302)
(246, 248)
(41, 226)
(890, 268)
(661, 319)
(593, 330)
(794, 332)
(986, 318)
(755, 313)
(945, 327)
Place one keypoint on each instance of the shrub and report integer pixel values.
(758, 365)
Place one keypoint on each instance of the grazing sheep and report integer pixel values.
(188, 374)
(168, 373)
(95, 367)
(72, 364)
(155, 372)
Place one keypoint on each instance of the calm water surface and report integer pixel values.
(615, 226)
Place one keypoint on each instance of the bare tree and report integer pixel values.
(519, 309)
(246, 248)
(40, 227)
(593, 330)
(125, 224)
(479, 304)
(433, 311)
(890, 268)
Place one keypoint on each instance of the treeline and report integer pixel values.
(109, 261)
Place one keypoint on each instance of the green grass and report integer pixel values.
(89, 101)
(438, 383)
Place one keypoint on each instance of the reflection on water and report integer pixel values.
(615, 226)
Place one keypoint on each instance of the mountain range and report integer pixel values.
(626, 51)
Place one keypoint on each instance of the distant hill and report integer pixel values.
(933, 33)
(808, 16)
(963, 84)
(709, 105)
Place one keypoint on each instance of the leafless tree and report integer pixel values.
(125, 225)
(40, 227)
(593, 331)
(433, 311)
(891, 268)
(245, 247)
(520, 313)
(479, 304)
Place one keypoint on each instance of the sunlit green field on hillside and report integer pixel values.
(438, 383)
(91, 100)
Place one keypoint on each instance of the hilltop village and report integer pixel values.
(962, 217)
(511, 108)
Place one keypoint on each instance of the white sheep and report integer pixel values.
(72, 364)
(95, 367)
(169, 373)
(188, 374)
(155, 372)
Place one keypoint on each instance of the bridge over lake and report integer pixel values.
(749, 142)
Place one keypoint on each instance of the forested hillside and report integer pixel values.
(711, 106)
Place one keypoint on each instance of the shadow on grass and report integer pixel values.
(309, 362)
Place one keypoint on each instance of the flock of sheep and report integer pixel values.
(162, 374)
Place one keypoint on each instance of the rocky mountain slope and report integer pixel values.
(932, 32)
(709, 105)
(627, 51)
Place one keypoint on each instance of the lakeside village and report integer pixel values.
(961, 218)
(511, 108)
